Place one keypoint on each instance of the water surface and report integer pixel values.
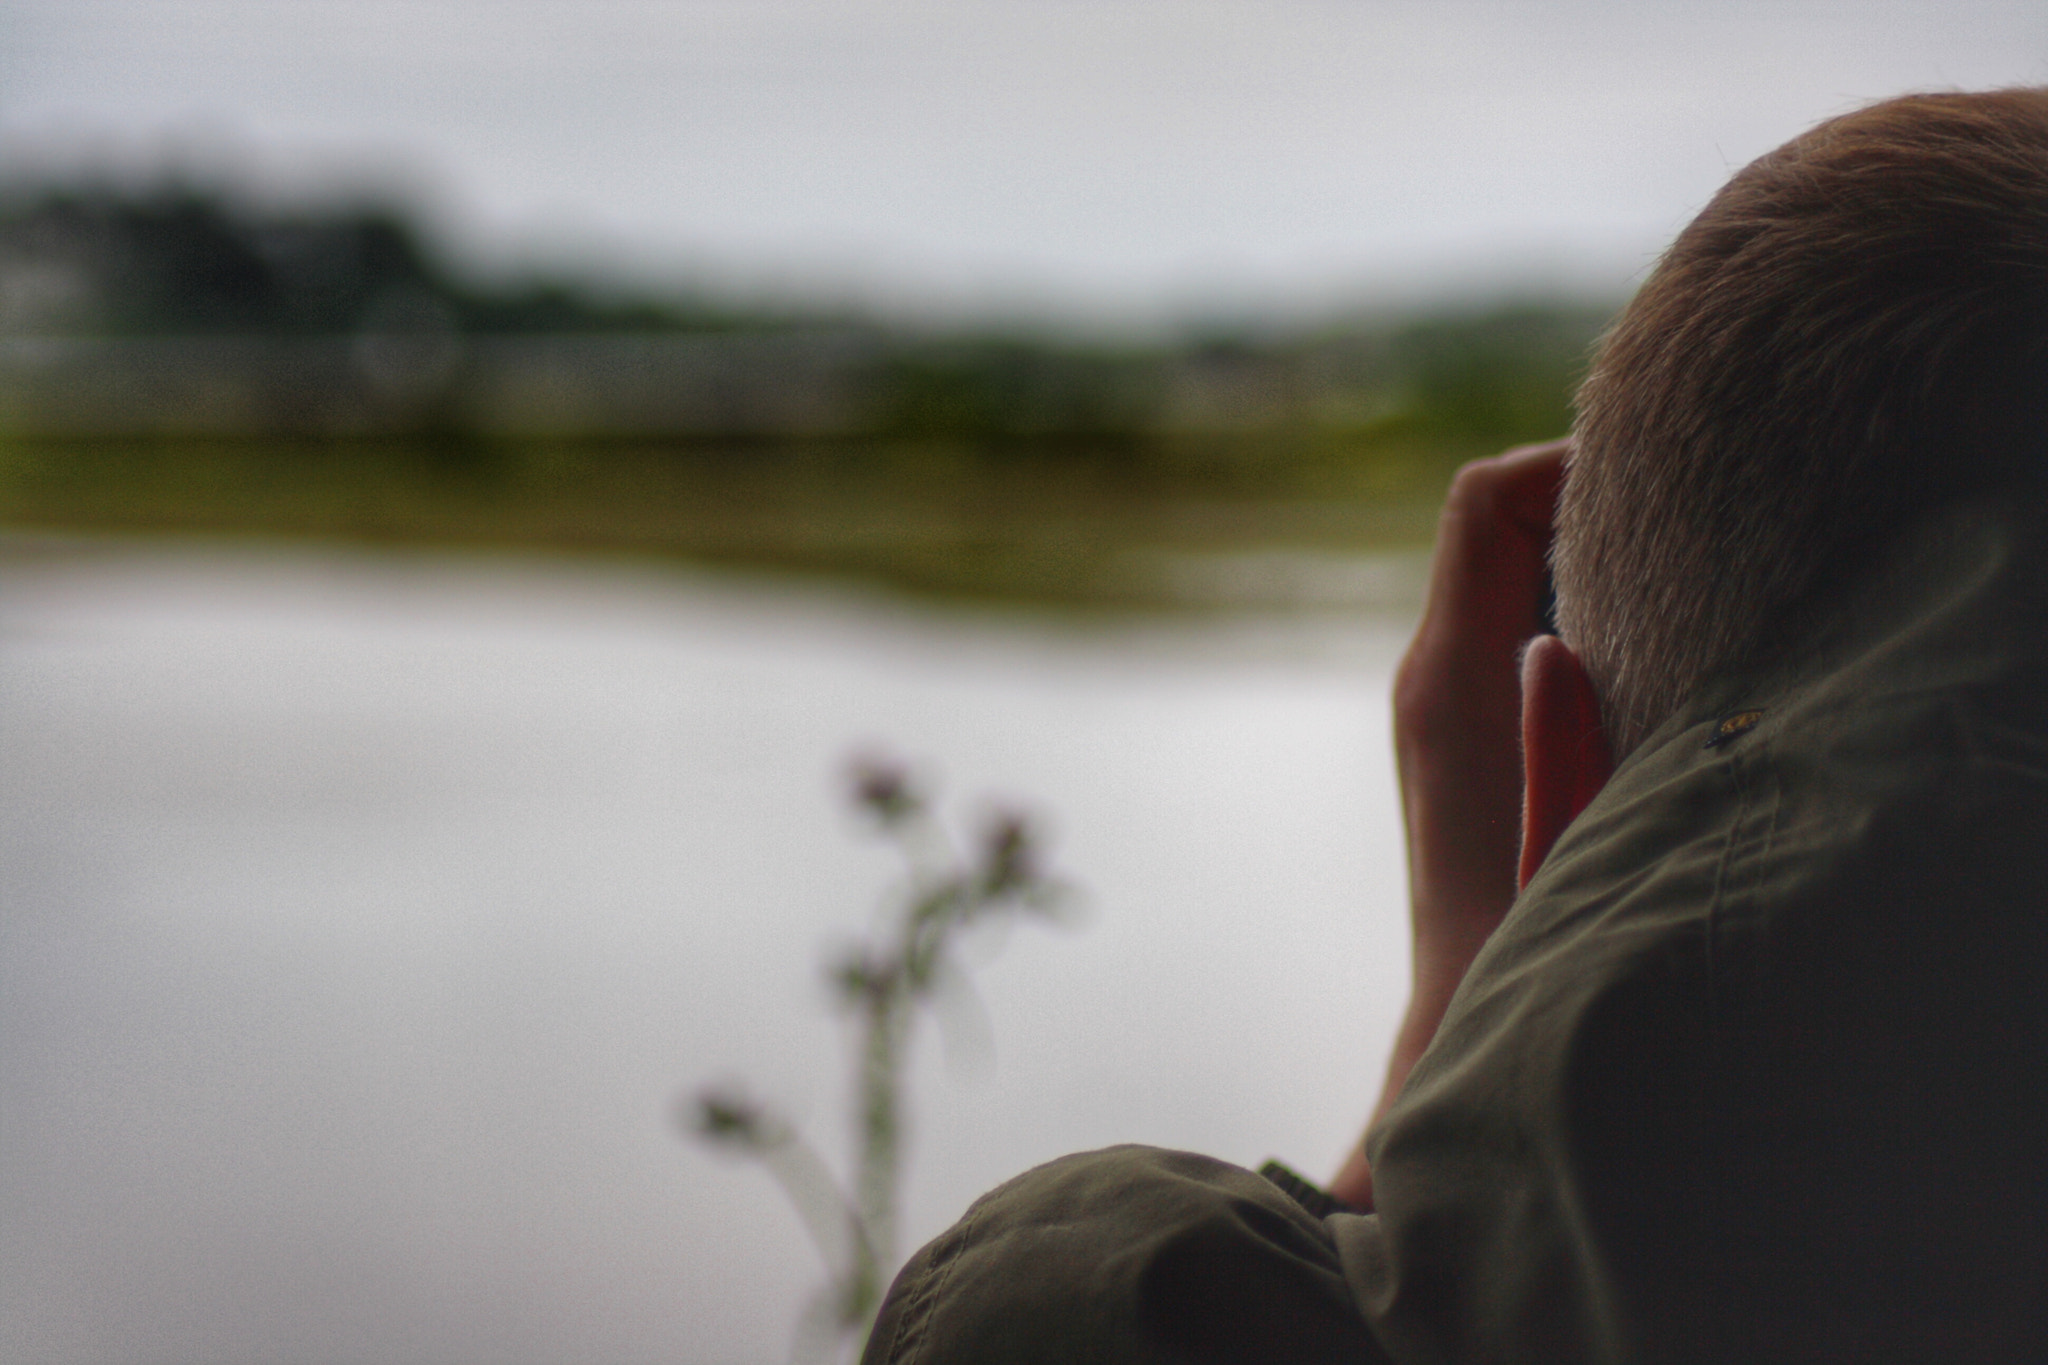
(365, 917)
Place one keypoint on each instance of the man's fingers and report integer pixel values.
(1512, 493)
(1529, 477)
(1493, 539)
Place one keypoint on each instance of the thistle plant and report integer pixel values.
(881, 983)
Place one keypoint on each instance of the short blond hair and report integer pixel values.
(1854, 329)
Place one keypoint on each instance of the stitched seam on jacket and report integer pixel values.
(1736, 769)
(906, 1347)
(1745, 853)
(1717, 904)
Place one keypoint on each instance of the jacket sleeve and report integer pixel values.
(1128, 1256)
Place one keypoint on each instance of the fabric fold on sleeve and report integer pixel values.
(1128, 1256)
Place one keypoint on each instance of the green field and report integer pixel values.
(1076, 525)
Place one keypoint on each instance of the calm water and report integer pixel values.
(364, 919)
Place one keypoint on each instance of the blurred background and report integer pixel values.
(471, 474)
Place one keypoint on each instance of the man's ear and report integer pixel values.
(1565, 756)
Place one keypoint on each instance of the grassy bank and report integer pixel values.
(1075, 524)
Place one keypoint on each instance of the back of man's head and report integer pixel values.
(1853, 331)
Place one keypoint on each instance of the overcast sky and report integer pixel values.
(1111, 156)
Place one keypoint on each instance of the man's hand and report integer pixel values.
(1458, 709)
(1457, 735)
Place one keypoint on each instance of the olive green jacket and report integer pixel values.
(1755, 1070)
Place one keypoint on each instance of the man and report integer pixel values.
(1729, 1033)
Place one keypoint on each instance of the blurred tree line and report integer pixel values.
(173, 357)
(179, 265)
(180, 261)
